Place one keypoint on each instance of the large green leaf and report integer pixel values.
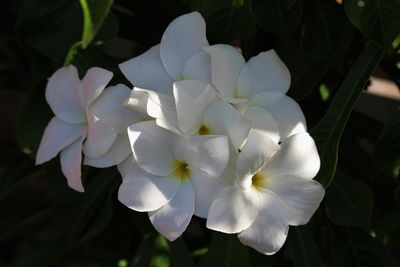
(94, 13)
(328, 131)
(304, 249)
(377, 19)
(349, 202)
(387, 149)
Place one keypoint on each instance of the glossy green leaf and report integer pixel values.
(328, 131)
(377, 19)
(387, 149)
(305, 251)
(349, 202)
(94, 14)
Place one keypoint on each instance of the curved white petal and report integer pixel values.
(229, 174)
(206, 188)
(183, 37)
(94, 82)
(71, 159)
(147, 71)
(153, 147)
(223, 119)
(109, 109)
(298, 156)
(269, 231)
(300, 196)
(226, 63)
(100, 138)
(57, 135)
(192, 98)
(261, 119)
(285, 111)
(263, 73)
(142, 191)
(233, 210)
(118, 152)
(172, 219)
(209, 153)
(256, 152)
(137, 101)
(63, 93)
(198, 67)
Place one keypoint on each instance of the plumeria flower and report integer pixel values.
(172, 177)
(69, 98)
(108, 109)
(273, 189)
(258, 89)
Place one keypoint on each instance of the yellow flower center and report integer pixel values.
(204, 130)
(258, 180)
(181, 170)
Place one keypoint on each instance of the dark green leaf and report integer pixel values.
(304, 249)
(225, 251)
(349, 202)
(387, 149)
(377, 19)
(94, 13)
(328, 131)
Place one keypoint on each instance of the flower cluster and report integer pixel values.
(201, 133)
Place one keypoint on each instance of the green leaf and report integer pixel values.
(355, 248)
(278, 17)
(349, 202)
(305, 252)
(226, 251)
(376, 19)
(328, 131)
(387, 149)
(94, 13)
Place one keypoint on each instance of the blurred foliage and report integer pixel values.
(331, 50)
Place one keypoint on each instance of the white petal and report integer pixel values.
(153, 147)
(209, 153)
(184, 37)
(172, 219)
(109, 108)
(229, 174)
(269, 231)
(298, 156)
(198, 67)
(71, 159)
(261, 119)
(192, 99)
(205, 188)
(285, 111)
(118, 152)
(94, 82)
(256, 152)
(63, 93)
(223, 119)
(137, 101)
(142, 191)
(226, 63)
(300, 196)
(264, 73)
(57, 136)
(147, 71)
(233, 210)
(100, 138)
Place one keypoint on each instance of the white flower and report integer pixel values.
(273, 189)
(69, 99)
(178, 56)
(173, 177)
(109, 111)
(258, 89)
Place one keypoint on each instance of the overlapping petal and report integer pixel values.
(172, 219)
(93, 83)
(71, 159)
